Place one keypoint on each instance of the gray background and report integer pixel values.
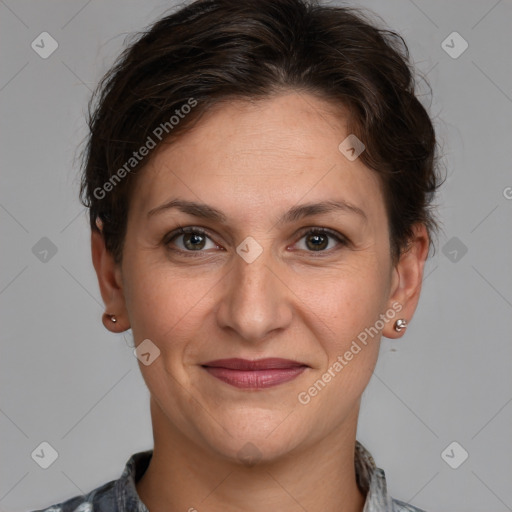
(68, 381)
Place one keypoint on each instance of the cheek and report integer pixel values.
(163, 305)
(345, 302)
(343, 315)
(168, 306)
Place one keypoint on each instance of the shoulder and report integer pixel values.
(401, 506)
(101, 499)
(115, 496)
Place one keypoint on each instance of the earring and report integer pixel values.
(112, 318)
(400, 324)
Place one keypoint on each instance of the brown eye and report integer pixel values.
(189, 239)
(193, 241)
(318, 240)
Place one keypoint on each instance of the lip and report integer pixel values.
(254, 374)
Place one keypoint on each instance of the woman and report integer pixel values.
(260, 177)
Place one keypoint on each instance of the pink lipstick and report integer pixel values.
(256, 374)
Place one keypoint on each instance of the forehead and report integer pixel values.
(255, 156)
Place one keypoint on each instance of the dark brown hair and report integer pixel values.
(218, 50)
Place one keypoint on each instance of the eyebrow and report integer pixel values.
(294, 214)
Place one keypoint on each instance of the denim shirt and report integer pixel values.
(121, 495)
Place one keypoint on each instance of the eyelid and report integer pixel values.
(317, 229)
(168, 237)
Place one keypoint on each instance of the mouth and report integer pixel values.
(256, 374)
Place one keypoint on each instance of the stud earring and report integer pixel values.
(112, 318)
(400, 324)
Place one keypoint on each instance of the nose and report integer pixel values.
(255, 302)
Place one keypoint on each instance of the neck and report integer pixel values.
(182, 476)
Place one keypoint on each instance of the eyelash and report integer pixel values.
(170, 237)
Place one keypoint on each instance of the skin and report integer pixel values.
(254, 161)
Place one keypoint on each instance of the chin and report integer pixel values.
(258, 437)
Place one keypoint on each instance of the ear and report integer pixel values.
(110, 282)
(407, 279)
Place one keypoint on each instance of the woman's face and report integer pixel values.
(256, 284)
